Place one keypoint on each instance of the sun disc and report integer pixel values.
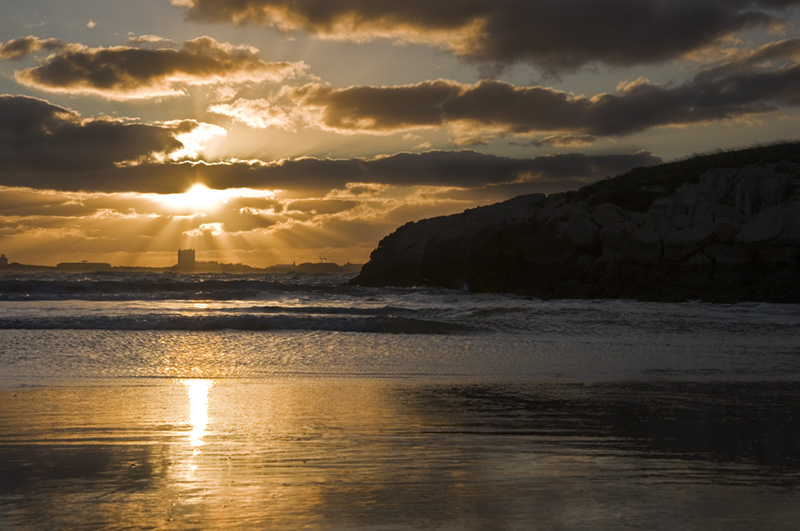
(199, 199)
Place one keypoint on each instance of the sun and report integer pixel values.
(199, 199)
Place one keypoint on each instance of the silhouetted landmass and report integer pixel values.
(718, 227)
(315, 268)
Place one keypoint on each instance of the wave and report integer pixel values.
(388, 324)
(119, 286)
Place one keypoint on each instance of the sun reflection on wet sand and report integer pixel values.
(198, 408)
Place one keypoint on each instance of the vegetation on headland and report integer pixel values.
(637, 189)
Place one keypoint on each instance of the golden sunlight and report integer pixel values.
(198, 408)
(195, 141)
(199, 199)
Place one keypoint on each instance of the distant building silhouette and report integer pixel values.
(3, 260)
(186, 259)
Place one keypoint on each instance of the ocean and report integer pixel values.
(167, 401)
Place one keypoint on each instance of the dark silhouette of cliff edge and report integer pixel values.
(723, 227)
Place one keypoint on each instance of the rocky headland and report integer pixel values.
(722, 227)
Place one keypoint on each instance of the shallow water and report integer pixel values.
(167, 402)
(347, 453)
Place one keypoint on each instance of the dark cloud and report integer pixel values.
(321, 206)
(38, 137)
(555, 36)
(126, 72)
(254, 204)
(772, 56)
(756, 82)
(314, 176)
(18, 48)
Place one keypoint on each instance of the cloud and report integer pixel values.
(555, 36)
(754, 82)
(152, 69)
(18, 48)
(321, 206)
(463, 169)
(207, 229)
(39, 137)
(256, 114)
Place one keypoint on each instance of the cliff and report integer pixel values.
(722, 227)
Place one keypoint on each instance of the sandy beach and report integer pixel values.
(351, 453)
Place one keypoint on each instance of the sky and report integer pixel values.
(276, 131)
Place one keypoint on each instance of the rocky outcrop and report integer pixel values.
(718, 232)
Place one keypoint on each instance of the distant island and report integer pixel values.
(187, 264)
(723, 227)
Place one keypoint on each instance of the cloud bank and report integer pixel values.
(62, 153)
(16, 49)
(747, 83)
(135, 72)
(555, 36)
(39, 137)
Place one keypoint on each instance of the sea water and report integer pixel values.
(145, 400)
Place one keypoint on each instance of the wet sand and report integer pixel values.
(350, 453)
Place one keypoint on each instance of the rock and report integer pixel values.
(683, 243)
(639, 219)
(661, 204)
(616, 236)
(698, 261)
(791, 225)
(686, 198)
(758, 187)
(728, 256)
(605, 215)
(718, 183)
(657, 221)
(765, 226)
(728, 234)
(644, 247)
(702, 215)
(722, 211)
(682, 221)
(778, 257)
(725, 230)
(581, 230)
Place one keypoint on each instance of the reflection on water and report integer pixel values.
(368, 454)
(198, 408)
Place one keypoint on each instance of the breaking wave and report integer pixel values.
(337, 322)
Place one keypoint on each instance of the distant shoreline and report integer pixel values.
(78, 267)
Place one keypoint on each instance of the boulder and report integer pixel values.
(791, 224)
(778, 256)
(725, 230)
(763, 227)
(683, 243)
(581, 230)
(606, 214)
(718, 183)
(617, 236)
(729, 256)
(682, 221)
(758, 187)
(686, 198)
(644, 246)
